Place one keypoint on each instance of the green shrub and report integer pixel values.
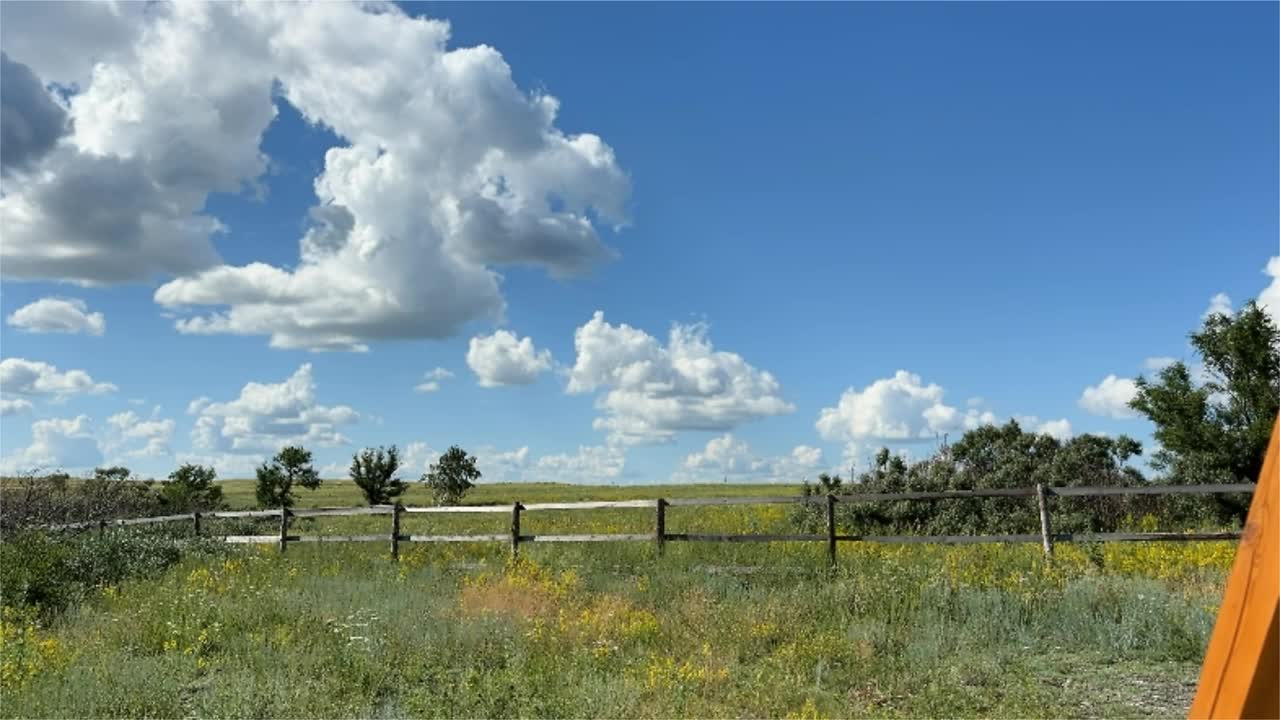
(50, 573)
(190, 488)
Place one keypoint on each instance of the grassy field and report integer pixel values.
(613, 631)
(336, 493)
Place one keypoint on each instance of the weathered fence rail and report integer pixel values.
(1046, 537)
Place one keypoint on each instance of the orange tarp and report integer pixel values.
(1240, 677)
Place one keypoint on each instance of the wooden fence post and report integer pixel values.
(660, 527)
(284, 528)
(195, 522)
(516, 507)
(1046, 533)
(395, 532)
(831, 529)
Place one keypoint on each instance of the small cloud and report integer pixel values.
(1110, 398)
(14, 407)
(39, 379)
(503, 359)
(432, 379)
(58, 315)
(1060, 429)
(1219, 304)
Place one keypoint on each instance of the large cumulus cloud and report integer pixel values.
(447, 171)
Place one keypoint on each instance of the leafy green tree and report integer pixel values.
(373, 470)
(1099, 460)
(110, 474)
(451, 476)
(191, 488)
(1217, 430)
(277, 478)
(997, 457)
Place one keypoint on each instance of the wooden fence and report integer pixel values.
(659, 537)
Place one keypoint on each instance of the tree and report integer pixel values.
(1217, 430)
(111, 474)
(373, 470)
(276, 478)
(451, 476)
(115, 492)
(997, 457)
(191, 488)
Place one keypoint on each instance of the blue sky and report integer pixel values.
(868, 224)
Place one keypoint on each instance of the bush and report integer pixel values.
(51, 572)
(33, 500)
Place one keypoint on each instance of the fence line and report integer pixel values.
(1046, 537)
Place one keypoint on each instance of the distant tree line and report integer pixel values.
(373, 470)
(1212, 424)
(109, 493)
(114, 492)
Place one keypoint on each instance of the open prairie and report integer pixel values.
(612, 630)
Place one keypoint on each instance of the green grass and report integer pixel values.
(612, 630)
(239, 494)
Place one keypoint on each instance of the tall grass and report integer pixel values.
(612, 631)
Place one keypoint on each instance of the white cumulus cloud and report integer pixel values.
(1219, 304)
(67, 444)
(446, 172)
(503, 465)
(135, 437)
(726, 457)
(1110, 398)
(1060, 429)
(58, 315)
(267, 416)
(654, 391)
(899, 408)
(416, 458)
(228, 465)
(32, 378)
(503, 359)
(163, 122)
(590, 464)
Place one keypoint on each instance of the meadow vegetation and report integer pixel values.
(613, 630)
